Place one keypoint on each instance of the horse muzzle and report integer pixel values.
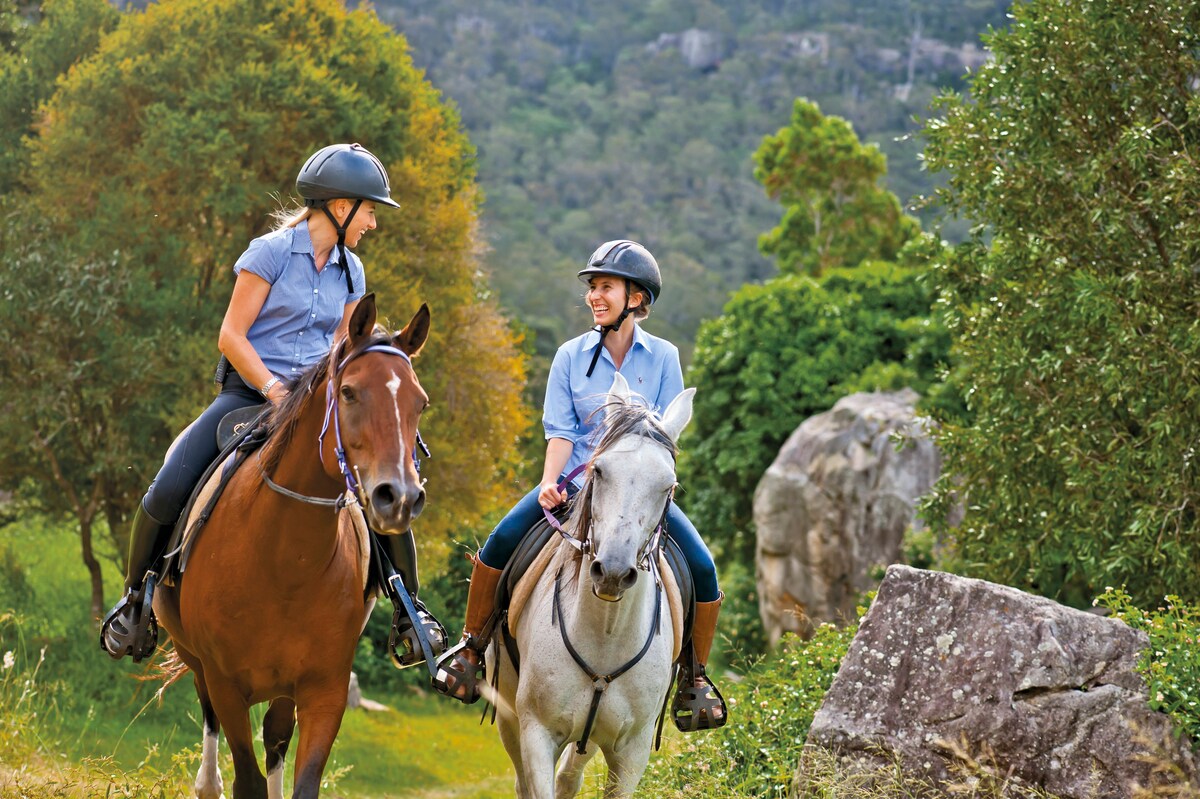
(611, 581)
(392, 505)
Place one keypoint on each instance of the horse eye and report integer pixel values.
(596, 473)
(347, 393)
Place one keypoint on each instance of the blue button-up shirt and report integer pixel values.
(651, 367)
(301, 314)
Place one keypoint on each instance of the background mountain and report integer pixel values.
(595, 121)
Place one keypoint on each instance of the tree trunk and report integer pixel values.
(93, 566)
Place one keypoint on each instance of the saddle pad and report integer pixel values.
(528, 581)
(186, 532)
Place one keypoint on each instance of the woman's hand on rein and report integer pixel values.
(549, 497)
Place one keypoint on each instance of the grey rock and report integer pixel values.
(1045, 693)
(834, 506)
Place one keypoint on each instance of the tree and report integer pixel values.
(157, 156)
(780, 353)
(32, 56)
(1076, 309)
(836, 210)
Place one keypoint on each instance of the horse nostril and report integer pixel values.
(383, 497)
(628, 579)
(418, 504)
(597, 571)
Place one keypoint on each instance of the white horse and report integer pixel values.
(604, 601)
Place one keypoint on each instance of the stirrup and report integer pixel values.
(130, 628)
(457, 677)
(696, 707)
(403, 642)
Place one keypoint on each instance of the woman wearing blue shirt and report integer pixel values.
(623, 281)
(293, 294)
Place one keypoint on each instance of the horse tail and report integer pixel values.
(168, 671)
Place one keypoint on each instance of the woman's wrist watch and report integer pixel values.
(267, 386)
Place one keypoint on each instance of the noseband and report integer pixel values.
(331, 415)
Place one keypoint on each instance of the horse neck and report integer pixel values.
(300, 465)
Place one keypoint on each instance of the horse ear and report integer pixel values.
(678, 413)
(620, 389)
(362, 321)
(413, 336)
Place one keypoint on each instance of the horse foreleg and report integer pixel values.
(627, 762)
(319, 719)
(208, 777)
(538, 753)
(231, 708)
(569, 779)
(278, 725)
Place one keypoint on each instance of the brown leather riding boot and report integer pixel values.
(704, 627)
(698, 705)
(458, 669)
(481, 597)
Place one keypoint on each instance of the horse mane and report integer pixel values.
(622, 418)
(285, 417)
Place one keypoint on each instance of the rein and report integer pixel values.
(331, 414)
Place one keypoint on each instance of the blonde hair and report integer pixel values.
(290, 217)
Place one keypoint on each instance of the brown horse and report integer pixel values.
(273, 600)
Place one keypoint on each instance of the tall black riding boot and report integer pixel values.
(403, 641)
(130, 627)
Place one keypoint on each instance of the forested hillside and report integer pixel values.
(601, 120)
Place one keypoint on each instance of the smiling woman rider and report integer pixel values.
(623, 281)
(291, 297)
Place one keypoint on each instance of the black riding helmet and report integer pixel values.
(343, 170)
(632, 261)
(347, 171)
(627, 259)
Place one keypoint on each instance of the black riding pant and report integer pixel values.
(193, 451)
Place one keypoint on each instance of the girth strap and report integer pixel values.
(600, 682)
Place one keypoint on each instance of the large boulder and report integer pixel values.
(834, 507)
(1044, 693)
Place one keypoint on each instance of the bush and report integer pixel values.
(770, 711)
(1171, 663)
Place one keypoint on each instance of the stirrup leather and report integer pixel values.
(403, 641)
(130, 628)
(697, 707)
(457, 677)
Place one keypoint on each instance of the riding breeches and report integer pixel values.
(504, 539)
(195, 449)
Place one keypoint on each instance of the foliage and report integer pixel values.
(153, 161)
(75, 413)
(770, 711)
(1171, 663)
(780, 353)
(591, 125)
(1075, 308)
(836, 213)
(32, 58)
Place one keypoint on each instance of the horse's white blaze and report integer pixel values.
(393, 386)
(208, 778)
(275, 782)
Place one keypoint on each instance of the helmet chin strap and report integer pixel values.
(341, 242)
(606, 329)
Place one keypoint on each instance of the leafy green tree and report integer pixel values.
(836, 210)
(32, 56)
(780, 353)
(157, 158)
(1075, 310)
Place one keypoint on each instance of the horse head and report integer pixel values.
(377, 401)
(630, 484)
